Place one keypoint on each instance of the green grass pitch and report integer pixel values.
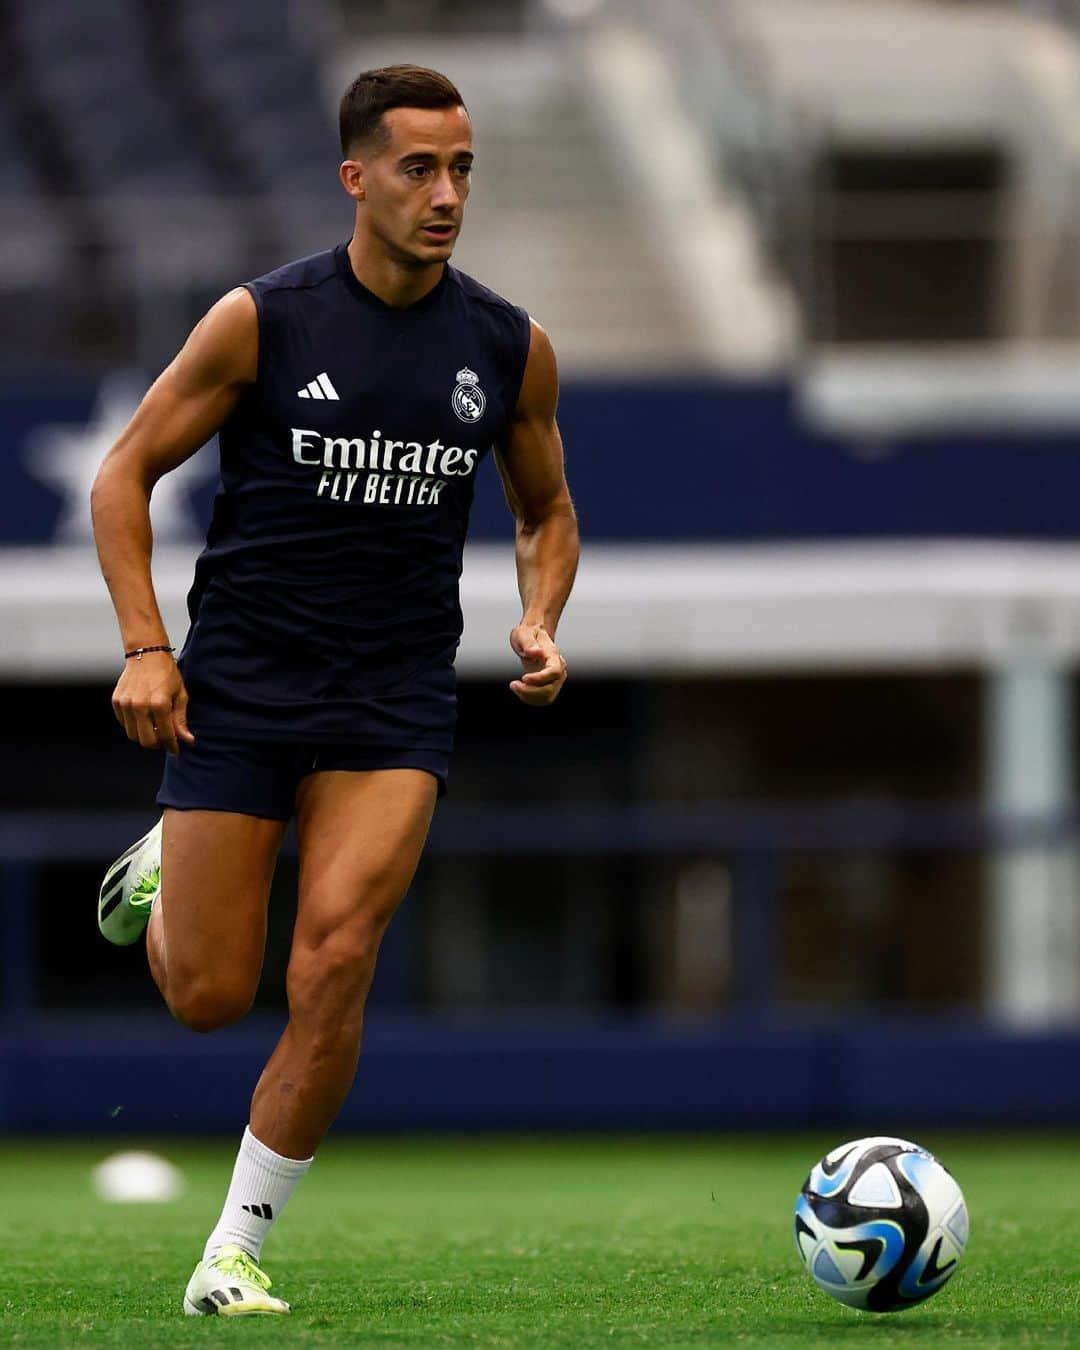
(572, 1243)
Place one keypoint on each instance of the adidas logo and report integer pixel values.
(262, 1211)
(319, 387)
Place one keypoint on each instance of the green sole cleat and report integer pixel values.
(129, 890)
(231, 1285)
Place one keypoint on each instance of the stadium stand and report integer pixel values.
(251, 57)
(92, 66)
(133, 166)
(34, 252)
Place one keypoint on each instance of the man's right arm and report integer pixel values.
(183, 408)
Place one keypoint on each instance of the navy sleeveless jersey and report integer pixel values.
(325, 604)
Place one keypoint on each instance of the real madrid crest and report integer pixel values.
(468, 399)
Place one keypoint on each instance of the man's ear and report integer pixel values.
(351, 174)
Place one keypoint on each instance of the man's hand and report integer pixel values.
(543, 663)
(150, 702)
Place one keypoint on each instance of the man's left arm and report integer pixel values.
(530, 464)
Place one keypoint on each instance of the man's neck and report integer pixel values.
(394, 284)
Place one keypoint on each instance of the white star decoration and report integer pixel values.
(67, 457)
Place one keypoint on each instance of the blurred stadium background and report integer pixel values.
(798, 845)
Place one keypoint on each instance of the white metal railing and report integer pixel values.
(704, 609)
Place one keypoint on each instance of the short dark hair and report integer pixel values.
(375, 92)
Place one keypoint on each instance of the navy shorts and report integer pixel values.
(260, 778)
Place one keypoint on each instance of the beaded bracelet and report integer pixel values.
(139, 652)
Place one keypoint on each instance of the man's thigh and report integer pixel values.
(226, 804)
(361, 834)
(216, 870)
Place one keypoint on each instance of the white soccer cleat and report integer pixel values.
(129, 890)
(231, 1284)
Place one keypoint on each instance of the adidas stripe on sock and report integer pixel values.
(262, 1182)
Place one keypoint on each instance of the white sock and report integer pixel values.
(262, 1182)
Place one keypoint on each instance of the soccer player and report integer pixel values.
(355, 393)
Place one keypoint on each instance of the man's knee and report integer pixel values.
(205, 1005)
(332, 977)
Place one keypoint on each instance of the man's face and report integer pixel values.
(416, 182)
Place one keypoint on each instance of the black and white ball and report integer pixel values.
(880, 1224)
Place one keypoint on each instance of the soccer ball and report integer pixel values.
(135, 1177)
(880, 1224)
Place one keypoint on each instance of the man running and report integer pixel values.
(354, 394)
